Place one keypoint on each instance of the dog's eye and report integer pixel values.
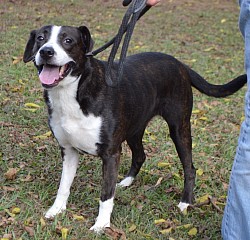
(68, 40)
(40, 38)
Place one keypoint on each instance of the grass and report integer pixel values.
(202, 34)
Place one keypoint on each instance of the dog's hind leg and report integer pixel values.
(70, 163)
(138, 158)
(180, 132)
(110, 173)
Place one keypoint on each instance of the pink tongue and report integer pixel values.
(49, 75)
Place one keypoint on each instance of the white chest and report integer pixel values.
(70, 126)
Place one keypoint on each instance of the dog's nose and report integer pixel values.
(47, 52)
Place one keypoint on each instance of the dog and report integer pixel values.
(88, 116)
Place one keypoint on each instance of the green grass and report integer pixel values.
(204, 35)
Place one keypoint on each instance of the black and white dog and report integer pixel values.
(87, 116)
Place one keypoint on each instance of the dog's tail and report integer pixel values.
(217, 90)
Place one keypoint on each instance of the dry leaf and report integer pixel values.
(202, 199)
(7, 237)
(159, 181)
(64, 232)
(16, 59)
(9, 189)
(163, 164)
(43, 223)
(11, 174)
(132, 228)
(166, 231)
(30, 109)
(158, 221)
(28, 178)
(199, 172)
(44, 136)
(192, 232)
(186, 226)
(31, 105)
(16, 210)
(203, 118)
(115, 234)
(28, 222)
(208, 49)
(196, 111)
(29, 230)
(223, 20)
(78, 218)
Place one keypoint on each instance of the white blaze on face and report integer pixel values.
(53, 72)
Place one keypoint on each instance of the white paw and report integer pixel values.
(183, 206)
(54, 210)
(99, 226)
(126, 182)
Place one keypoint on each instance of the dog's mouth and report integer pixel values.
(51, 75)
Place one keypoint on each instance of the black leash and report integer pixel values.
(135, 11)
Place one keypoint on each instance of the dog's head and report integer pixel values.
(58, 52)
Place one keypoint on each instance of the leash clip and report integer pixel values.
(89, 54)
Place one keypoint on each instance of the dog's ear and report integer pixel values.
(29, 49)
(86, 38)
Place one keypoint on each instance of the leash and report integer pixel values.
(135, 11)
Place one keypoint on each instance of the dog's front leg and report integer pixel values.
(110, 173)
(70, 162)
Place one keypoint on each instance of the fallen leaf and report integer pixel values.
(78, 218)
(184, 212)
(158, 221)
(203, 118)
(42, 222)
(31, 105)
(28, 221)
(159, 181)
(199, 172)
(177, 175)
(30, 109)
(132, 228)
(192, 231)
(29, 230)
(208, 49)
(115, 234)
(202, 199)
(64, 232)
(196, 111)
(16, 210)
(11, 174)
(166, 231)
(16, 60)
(186, 226)
(223, 20)
(7, 237)
(163, 164)
(28, 178)
(44, 136)
(9, 189)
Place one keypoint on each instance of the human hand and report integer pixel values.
(149, 2)
(152, 2)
